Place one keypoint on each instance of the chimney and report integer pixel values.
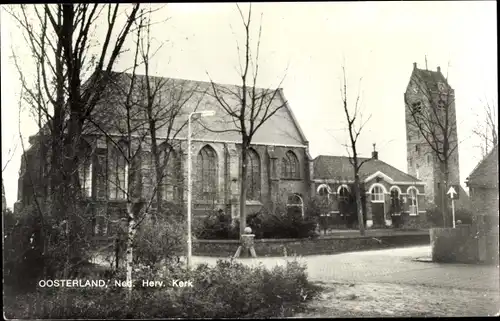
(374, 153)
(439, 69)
(414, 65)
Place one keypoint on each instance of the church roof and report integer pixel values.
(333, 167)
(486, 172)
(429, 78)
(193, 95)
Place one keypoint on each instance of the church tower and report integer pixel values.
(429, 102)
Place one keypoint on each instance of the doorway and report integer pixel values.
(378, 214)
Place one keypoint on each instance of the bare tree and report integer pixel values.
(163, 104)
(134, 110)
(433, 117)
(486, 129)
(62, 42)
(355, 125)
(247, 107)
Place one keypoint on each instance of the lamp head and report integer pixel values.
(203, 113)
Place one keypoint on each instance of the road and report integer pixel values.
(392, 283)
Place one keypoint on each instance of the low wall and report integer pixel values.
(457, 245)
(320, 245)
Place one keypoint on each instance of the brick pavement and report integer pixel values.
(395, 266)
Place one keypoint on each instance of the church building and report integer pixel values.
(278, 162)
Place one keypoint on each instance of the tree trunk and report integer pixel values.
(243, 187)
(445, 198)
(131, 229)
(359, 205)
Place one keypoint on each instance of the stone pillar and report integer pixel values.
(246, 243)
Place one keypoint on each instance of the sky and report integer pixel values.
(306, 44)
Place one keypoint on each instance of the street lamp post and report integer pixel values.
(189, 245)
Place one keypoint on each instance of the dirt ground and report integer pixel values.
(392, 300)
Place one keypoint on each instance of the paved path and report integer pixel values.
(396, 266)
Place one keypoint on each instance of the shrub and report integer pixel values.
(267, 223)
(159, 238)
(217, 225)
(227, 290)
(32, 249)
(435, 216)
(281, 223)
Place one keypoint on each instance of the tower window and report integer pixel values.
(428, 159)
(416, 107)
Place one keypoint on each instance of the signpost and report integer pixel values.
(453, 195)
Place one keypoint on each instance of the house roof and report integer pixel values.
(192, 95)
(339, 167)
(486, 172)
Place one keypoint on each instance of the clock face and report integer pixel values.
(441, 87)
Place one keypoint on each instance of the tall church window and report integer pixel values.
(118, 172)
(168, 181)
(85, 169)
(253, 175)
(290, 166)
(207, 173)
(85, 175)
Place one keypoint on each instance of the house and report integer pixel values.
(278, 166)
(388, 194)
(483, 190)
(483, 185)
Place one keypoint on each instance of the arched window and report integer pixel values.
(413, 200)
(377, 192)
(253, 175)
(118, 169)
(85, 169)
(290, 166)
(343, 193)
(168, 182)
(343, 198)
(207, 173)
(295, 203)
(323, 190)
(395, 201)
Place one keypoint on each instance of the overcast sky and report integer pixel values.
(378, 41)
